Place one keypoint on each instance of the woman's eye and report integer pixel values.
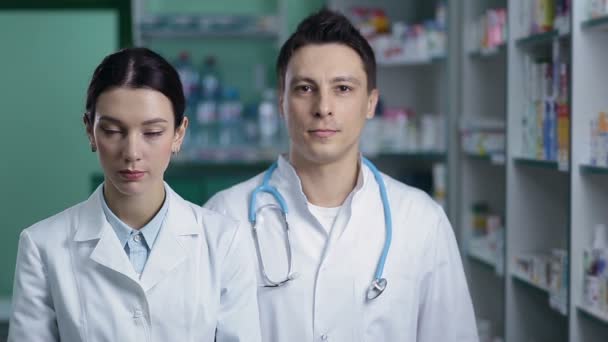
(109, 131)
(153, 134)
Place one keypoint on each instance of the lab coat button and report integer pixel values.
(137, 314)
(324, 337)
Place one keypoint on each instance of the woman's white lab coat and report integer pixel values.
(74, 281)
(426, 300)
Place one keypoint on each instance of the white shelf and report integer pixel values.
(589, 184)
(488, 52)
(497, 159)
(601, 316)
(169, 34)
(593, 169)
(600, 23)
(410, 63)
(483, 255)
(525, 279)
(540, 163)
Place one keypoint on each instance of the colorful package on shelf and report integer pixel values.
(399, 130)
(597, 8)
(563, 118)
(595, 283)
(562, 15)
(534, 267)
(400, 42)
(439, 183)
(558, 281)
(482, 136)
(486, 237)
(370, 21)
(490, 30)
(545, 119)
(598, 155)
(545, 15)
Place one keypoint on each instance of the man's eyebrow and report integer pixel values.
(350, 79)
(297, 79)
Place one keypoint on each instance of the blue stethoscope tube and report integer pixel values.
(378, 284)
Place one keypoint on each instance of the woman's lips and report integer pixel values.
(131, 175)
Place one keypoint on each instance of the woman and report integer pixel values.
(134, 262)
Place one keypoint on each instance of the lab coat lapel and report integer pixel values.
(92, 224)
(169, 250)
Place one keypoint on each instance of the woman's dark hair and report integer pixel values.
(136, 68)
(325, 27)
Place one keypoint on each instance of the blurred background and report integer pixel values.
(497, 108)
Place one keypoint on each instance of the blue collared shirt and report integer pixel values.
(137, 243)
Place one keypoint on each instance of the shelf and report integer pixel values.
(594, 313)
(545, 164)
(421, 62)
(527, 281)
(483, 256)
(592, 169)
(207, 26)
(244, 156)
(168, 34)
(600, 24)
(426, 156)
(494, 159)
(544, 38)
(488, 52)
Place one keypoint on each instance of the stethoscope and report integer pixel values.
(378, 284)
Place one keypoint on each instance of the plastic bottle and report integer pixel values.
(189, 78)
(207, 109)
(230, 118)
(268, 118)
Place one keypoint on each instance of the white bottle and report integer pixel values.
(268, 118)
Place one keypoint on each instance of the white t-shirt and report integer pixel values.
(325, 216)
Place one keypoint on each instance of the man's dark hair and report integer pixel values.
(325, 27)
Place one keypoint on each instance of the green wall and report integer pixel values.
(46, 62)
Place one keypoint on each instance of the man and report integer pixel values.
(315, 283)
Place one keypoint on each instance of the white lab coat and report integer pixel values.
(426, 300)
(74, 281)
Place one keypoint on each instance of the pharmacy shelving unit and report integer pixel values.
(482, 176)
(589, 183)
(538, 194)
(144, 33)
(420, 85)
(255, 29)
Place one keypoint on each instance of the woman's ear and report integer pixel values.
(88, 126)
(180, 133)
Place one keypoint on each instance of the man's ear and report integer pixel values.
(372, 102)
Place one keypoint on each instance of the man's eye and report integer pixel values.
(304, 88)
(344, 88)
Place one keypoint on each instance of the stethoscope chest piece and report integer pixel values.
(376, 288)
